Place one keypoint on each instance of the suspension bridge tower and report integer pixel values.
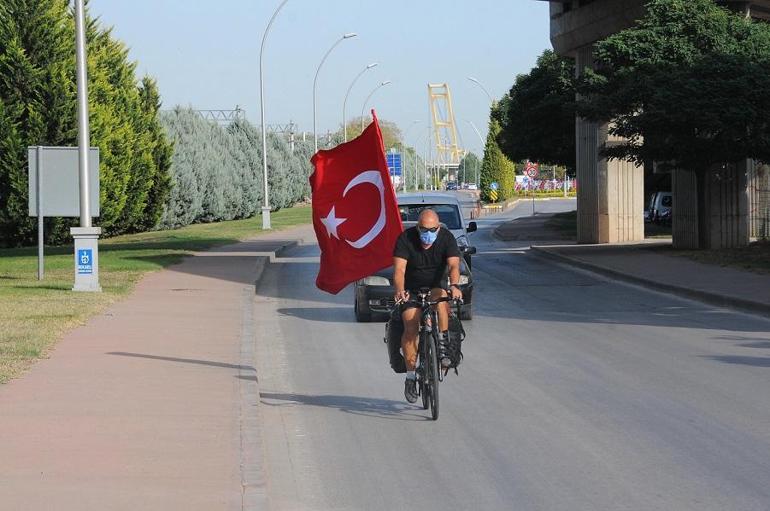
(448, 152)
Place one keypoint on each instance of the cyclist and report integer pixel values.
(420, 260)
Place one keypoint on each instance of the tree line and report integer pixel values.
(685, 87)
(157, 169)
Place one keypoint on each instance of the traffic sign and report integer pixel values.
(493, 195)
(394, 163)
(85, 261)
(531, 169)
(494, 186)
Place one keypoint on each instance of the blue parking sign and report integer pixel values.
(85, 261)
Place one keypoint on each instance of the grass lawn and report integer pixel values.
(34, 314)
(564, 223)
(755, 257)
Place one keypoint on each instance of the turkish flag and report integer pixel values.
(355, 213)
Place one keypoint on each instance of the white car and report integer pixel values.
(450, 214)
(373, 295)
(472, 186)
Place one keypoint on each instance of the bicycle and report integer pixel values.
(428, 373)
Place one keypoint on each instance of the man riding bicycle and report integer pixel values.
(420, 260)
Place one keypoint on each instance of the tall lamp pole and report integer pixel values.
(315, 81)
(403, 152)
(345, 103)
(265, 200)
(383, 84)
(481, 139)
(86, 236)
(474, 80)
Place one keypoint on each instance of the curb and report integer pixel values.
(693, 294)
(254, 469)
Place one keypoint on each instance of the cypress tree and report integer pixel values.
(496, 167)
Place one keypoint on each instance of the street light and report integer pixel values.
(315, 80)
(481, 139)
(474, 80)
(483, 144)
(344, 103)
(383, 84)
(403, 152)
(266, 201)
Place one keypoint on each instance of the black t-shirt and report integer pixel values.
(425, 267)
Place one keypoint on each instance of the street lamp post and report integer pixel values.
(403, 152)
(383, 84)
(315, 81)
(265, 200)
(344, 103)
(86, 236)
(474, 80)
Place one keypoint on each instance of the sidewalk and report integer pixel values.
(646, 263)
(151, 405)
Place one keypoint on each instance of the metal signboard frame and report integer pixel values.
(54, 187)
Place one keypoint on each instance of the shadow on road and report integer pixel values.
(223, 365)
(341, 314)
(746, 361)
(368, 406)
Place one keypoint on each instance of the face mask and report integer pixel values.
(428, 238)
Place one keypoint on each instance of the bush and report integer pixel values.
(217, 172)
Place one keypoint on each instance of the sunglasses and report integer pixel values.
(427, 229)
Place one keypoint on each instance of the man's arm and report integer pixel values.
(399, 277)
(454, 277)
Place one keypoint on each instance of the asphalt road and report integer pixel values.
(577, 393)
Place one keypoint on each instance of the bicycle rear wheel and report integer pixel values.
(432, 375)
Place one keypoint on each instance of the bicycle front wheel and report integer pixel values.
(432, 373)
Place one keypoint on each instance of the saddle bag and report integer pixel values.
(455, 338)
(394, 329)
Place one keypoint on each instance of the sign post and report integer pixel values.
(40, 226)
(531, 170)
(53, 188)
(493, 191)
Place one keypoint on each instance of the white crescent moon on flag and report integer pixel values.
(373, 177)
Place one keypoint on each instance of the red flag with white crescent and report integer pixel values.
(355, 213)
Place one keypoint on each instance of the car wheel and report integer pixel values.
(361, 317)
(466, 314)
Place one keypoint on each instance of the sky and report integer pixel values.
(205, 54)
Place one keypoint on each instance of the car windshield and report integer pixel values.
(448, 214)
(667, 201)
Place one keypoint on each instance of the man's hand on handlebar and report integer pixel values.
(402, 296)
(455, 293)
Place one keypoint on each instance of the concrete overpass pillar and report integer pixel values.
(711, 210)
(610, 193)
(759, 201)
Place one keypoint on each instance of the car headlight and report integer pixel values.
(464, 280)
(462, 241)
(376, 280)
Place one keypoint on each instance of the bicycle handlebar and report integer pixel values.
(431, 302)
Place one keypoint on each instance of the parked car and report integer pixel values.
(660, 207)
(373, 295)
(451, 186)
(472, 186)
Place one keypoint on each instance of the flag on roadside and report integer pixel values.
(355, 213)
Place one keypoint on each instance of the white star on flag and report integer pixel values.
(332, 222)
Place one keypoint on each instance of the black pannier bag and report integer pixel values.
(455, 338)
(394, 329)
